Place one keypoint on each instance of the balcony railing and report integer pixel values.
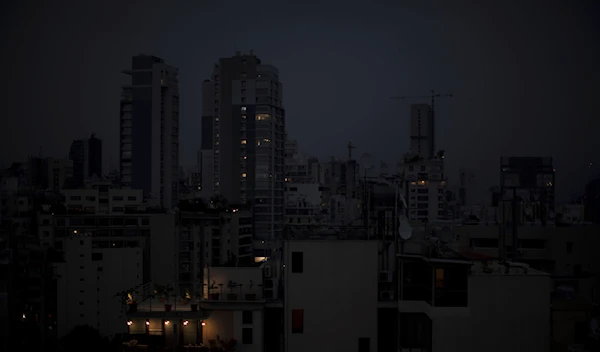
(234, 294)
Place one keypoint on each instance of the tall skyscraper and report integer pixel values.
(244, 121)
(86, 155)
(422, 138)
(150, 130)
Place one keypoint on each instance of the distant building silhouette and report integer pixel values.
(150, 130)
(532, 180)
(86, 155)
(243, 123)
(49, 173)
(422, 139)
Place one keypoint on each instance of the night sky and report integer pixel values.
(524, 76)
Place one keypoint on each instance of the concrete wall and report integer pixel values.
(163, 250)
(87, 285)
(509, 313)
(337, 291)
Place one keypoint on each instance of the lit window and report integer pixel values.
(258, 142)
(245, 157)
(421, 183)
(267, 140)
(244, 174)
(243, 109)
(244, 141)
(413, 183)
(243, 116)
(263, 117)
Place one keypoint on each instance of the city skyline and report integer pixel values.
(527, 82)
(279, 177)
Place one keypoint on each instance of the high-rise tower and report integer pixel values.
(244, 119)
(150, 130)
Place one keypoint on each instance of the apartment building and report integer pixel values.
(88, 283)
(362, 296)
(243, 110)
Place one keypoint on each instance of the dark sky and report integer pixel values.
(524, 74)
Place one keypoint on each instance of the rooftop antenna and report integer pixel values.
(350, 147)
(367, 162)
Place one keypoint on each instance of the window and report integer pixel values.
(247, 317)
(244, 141)
(364, 344)
(297, 262)
(569, 247)
(243, 109)
(297, 321)
(247, 336)
(81, 243)
(96, 256)
(133, 198)
(117, 198)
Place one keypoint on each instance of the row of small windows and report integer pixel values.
(93, 198)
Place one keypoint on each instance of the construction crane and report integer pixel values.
(350, 147)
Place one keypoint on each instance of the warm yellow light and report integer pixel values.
(185, 322)
(244, 174)
(147, 322)
(129, 322)
(262, 117)
(244, 141)
(74, 231)
(166, 322)
(203, 323)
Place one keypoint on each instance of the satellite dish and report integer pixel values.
(446, 235)
(367, 161)
(404, 230)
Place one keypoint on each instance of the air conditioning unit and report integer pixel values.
(268, 270)
(386, 295)
(386, 276)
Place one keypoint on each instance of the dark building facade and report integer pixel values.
(531, 180)
(244, 118)
(87, 159)
(149, 149)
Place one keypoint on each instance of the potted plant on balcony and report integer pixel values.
(231, 296)
(164, 292)
(128, 299)
(213, 295)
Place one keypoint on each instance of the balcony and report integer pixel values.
(434, 281)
